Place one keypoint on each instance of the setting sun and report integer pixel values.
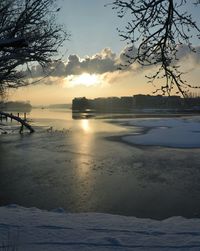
(84, 79)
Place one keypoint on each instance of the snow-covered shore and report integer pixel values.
(169, 132)
(33, 229)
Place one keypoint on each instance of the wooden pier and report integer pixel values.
(22, 121)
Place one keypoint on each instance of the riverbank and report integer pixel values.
(31, 229)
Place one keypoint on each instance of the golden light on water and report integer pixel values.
(84, 148)
(85, 125)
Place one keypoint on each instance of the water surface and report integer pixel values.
(77, 167)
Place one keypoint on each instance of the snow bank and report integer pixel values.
(171, 132)
(34, 229)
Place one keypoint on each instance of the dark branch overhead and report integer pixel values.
(14, 42)
(28, 34)
(158, 28)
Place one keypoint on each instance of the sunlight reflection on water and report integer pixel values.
(85, 124)
(62, 119)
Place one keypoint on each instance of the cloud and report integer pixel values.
(100, 63)
(55, 69)
(126, 53)
(184, 53)
(103, 62)
(107, 62)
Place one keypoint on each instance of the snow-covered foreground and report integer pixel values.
(170, 132)
(34, 229)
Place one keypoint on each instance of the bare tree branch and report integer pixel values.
(157, 28)
(28, 33)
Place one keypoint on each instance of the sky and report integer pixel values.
(91, 58)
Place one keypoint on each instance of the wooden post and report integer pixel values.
(11, 117)
(21, 129)
(25, 116)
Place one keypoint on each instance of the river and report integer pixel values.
(82, 166)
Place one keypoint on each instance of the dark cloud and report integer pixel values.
(127, 52)
(184, 52)
(103, 62)
(55, 69)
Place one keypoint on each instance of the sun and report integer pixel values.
(84, 79)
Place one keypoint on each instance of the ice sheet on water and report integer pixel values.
(170, 132)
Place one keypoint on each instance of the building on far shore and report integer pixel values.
(132, 103)
(155, 102)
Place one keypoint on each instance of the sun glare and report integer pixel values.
(84, 79)
(85, 125)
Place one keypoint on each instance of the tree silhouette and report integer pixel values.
(158, 28)
(28, 33)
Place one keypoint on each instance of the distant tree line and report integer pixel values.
(18, 106)
(130, 103)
